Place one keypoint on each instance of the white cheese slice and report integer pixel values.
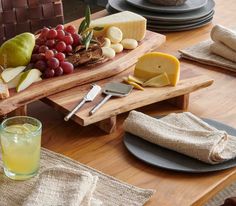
(132, 25)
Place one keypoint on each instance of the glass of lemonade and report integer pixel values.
(20, 143)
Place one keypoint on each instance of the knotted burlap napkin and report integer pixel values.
(184, 133)
(63, 186)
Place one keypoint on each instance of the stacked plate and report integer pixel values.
(192, 14)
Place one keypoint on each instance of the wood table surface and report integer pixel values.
(107, 153)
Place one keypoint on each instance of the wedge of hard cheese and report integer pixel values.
(153, 64)
(158, 81)
(4, 92)
(133, 26)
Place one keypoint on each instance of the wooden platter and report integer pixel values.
(81, 75)
(105, 118)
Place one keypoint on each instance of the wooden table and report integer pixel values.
(107, 153)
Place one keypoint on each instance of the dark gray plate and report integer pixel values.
(189, 5)
(155, 29)
(184, 26)
(121, 5)
(204, 18)
(167, 159)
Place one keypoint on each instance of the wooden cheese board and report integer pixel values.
(105, 118)
(81, 75)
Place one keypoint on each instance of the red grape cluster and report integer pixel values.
(51, 48)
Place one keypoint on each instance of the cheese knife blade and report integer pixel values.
(90, 96)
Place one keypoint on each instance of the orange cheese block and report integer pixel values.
(153, 64)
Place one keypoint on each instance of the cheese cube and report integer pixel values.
(155, 63)
(133, 26)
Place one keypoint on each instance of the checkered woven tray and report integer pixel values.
(17, 16)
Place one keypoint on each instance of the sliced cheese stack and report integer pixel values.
(156, 69)
(158, 81)
(133, 26)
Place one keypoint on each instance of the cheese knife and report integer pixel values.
(90, 96)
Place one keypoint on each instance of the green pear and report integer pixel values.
(10, 73)
(14, 82)
(28, 78)
(17, 51)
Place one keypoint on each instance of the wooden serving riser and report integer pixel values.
(105, 117)
(81, 75)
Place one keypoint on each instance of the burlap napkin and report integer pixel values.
(184, 133)
(219, 51)
(109, 190)
(222, 50)
(224, 35)
(201, 53)
(63, 186)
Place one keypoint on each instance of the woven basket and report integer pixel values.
(17, 16)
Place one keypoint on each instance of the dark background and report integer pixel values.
(74, 9)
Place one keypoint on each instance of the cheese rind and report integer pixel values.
(155, 63)
(132, 25)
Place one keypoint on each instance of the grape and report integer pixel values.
(49, 73)
(60, 56)
(40, 41)
(41, 56)
(67, 67)
(49, 54)
(50, 43)
(29, 66)
(59, 27)
(70, 29)
(36, 48)
(53, 63)
(68, 40)
(41, 65)
(55, 51)
(52, 34)
(44, 32)
(77, 39)
(69, 49)
(34, 57)
(60, 34)
(61, 46)
(58, 71)
(43, 49)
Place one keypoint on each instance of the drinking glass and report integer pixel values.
(20, 143)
